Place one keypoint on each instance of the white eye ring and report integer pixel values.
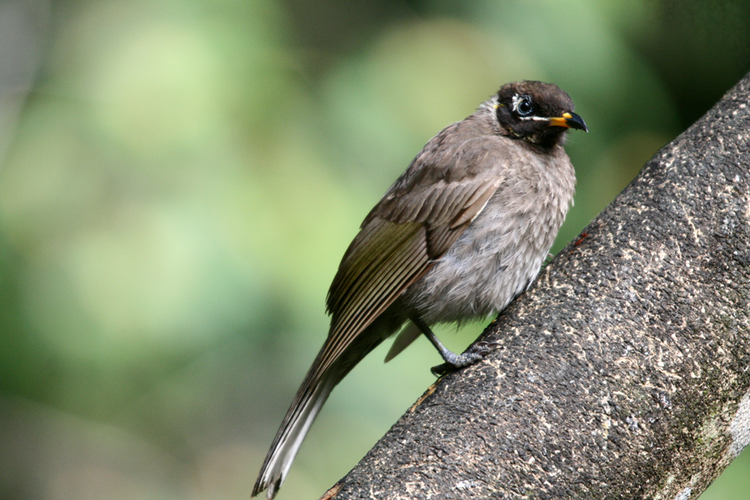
(522, 105)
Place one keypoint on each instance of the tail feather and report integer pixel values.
(409, 334)
(312, 394)
(295, 426)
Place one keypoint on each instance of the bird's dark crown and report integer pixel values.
(524, 110)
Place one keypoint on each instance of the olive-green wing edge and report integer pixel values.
(386, 257)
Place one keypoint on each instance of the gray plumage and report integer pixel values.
(460, 234)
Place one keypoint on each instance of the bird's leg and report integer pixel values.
(453, 361)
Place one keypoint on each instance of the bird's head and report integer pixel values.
(537, 112)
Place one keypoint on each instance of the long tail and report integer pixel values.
(295, 426)
(318, 384)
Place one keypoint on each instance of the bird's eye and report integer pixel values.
(523, 105)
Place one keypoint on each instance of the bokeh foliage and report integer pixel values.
(179, 180)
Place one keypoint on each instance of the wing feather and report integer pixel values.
(475, 204)
(367, 257)
(369, 297)
(415, 223)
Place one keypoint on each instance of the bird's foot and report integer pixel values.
(455, 361)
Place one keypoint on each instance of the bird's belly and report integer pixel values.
(494, 260)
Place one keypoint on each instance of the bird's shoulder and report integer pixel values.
(454, 169)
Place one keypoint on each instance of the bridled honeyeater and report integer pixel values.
(459, 235)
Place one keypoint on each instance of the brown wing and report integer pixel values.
(415, 223)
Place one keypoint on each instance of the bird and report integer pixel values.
(461, 233)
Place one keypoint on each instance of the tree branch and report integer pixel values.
(624, 371)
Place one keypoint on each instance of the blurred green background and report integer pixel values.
(179, 179)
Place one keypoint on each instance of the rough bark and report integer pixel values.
(624, 371)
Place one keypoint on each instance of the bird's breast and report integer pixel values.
(501, 252)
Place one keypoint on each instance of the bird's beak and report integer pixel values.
(568, 120)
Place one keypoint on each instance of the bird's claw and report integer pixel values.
(455, 361)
